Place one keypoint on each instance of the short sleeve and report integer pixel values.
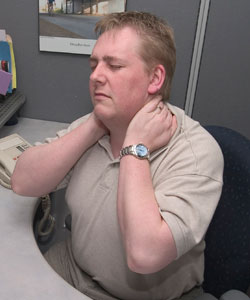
(188, 180)
(59, 134)
(187, 205)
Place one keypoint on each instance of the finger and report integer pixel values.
(163, 111)
(174, 124)
(159, 108)
(167, 117)
(152, 104)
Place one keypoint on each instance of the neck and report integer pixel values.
(116, 141)
(117, 130)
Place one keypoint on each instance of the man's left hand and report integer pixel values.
(153, 125)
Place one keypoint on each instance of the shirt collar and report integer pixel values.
(104, 142)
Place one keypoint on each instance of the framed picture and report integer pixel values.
(68, 25)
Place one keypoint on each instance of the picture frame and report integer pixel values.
(67, 26)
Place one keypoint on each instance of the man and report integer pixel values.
(50, 7)
(145, 179)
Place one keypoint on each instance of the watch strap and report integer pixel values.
(131, 150)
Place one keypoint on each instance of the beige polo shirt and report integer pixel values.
(187, 178)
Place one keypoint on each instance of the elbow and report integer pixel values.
(14, 184)
(16, 187)
(145, 263)
(19, 187)
(17, 181)
(22, 191)
(137, 265)
(148, 259)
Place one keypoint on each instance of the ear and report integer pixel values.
(157, 78)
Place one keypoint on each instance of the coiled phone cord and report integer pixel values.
(47, 220)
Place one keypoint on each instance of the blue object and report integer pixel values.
(5, 55)
(227, 253)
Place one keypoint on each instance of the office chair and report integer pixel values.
(227, 253)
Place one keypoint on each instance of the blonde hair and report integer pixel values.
(157, 40)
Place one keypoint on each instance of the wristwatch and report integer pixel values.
(139, 151)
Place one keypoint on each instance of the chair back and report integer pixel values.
(227, 253)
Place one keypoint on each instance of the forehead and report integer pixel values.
(118, 42)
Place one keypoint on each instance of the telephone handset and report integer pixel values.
(11, 147)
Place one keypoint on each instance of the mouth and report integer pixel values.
(100, 95)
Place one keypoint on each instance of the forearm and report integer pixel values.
(40, 169)
(148, 240)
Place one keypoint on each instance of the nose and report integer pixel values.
(98, 74)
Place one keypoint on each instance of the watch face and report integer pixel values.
(141, 150)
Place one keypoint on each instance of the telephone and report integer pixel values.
(11, 147)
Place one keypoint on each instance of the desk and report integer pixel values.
(33, 130)
(25, 275)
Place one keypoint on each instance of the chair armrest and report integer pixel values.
(234, 295)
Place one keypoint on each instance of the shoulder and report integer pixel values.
(78, 122)
(71, 127)
(193, 150)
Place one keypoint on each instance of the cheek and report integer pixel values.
(133, 101)
(138, 92)
(91, 91)
(136, 85)
(90, 86)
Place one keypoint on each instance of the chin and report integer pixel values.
(103, 113)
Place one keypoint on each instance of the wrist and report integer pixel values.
(132, 140)
(96, 129)
(139, 151)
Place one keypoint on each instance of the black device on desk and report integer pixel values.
(9, 106)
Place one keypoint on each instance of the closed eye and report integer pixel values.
(93, 63)
(115, 67)
(92, 68)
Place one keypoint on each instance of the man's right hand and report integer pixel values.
(97, 127)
